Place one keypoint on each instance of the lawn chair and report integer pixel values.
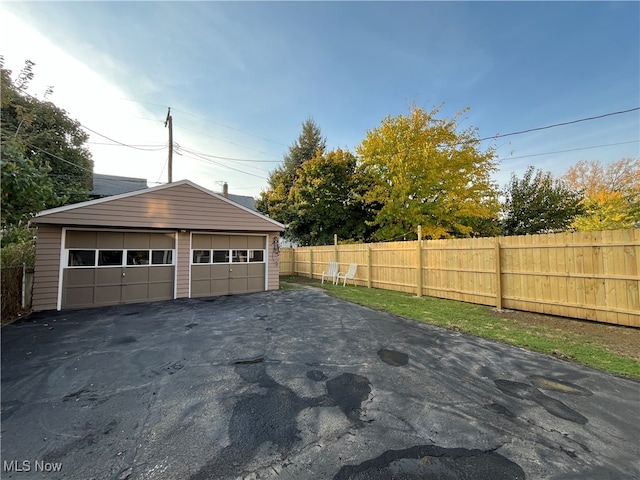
(332, 272)
(351, 274)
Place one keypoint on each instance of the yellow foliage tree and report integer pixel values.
(611, 194)
(426, 172)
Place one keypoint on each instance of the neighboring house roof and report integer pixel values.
(177, 205)
(108, 185)
(248, 202)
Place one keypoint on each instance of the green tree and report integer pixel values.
(538, 203)
(47, 136)
(427, 172)
(611, 194)
(326, 199)
(26, 190)
(275, 201)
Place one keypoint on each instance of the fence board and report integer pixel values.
(586, 275)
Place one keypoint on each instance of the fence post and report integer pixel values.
(368, 266)
(293, 262)
(335, 246)
(311, 262)
(419, 272)
(498, 276)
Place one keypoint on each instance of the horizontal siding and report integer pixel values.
(45, 279)
(184, 252)
(181, 207)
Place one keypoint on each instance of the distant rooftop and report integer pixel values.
(248, 202)
(108, 185)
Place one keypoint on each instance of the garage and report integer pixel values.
(177, 240)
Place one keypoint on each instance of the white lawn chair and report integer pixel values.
(332, 272)
(351, 274)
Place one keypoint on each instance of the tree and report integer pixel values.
(427, 172)
(47, 137)
(538, 203)
(275, 201)
(611, 193)
(326, 199)
(26, 190)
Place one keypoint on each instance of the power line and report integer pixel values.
(59, 158)
(208, 160)
(158, 147)
(560, 124)
(223, 140)
(228, 158)
(572, 150)
(115, 141)
(201, 155)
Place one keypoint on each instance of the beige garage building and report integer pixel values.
(177, 240)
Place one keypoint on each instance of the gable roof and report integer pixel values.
(177, 205)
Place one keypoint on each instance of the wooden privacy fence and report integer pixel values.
(586, 275)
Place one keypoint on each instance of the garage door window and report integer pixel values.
(109, 258)
(240, 256)
(221, 256)
(201, 256)
(82, 258)
(137, 257)
(256, 255)
(162, 257)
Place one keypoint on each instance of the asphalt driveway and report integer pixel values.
(298, 385)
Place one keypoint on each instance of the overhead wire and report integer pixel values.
(559, 124)
(570, 150)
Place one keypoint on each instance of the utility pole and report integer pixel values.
(169, 122)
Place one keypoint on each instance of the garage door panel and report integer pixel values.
(220, 287)
(81, 239)
(133, 293)
(161, 274)
(255, 270)
(109, 276)
(162, 241)
(201, 242)
(239, 271)
(137, 240)
(110, 240)
(220, 242)
(255, 242)
(108, 295)
(220, 272)
(161, 291)
(78, 297)
(136, 275)
(238, 285)
(200, 272)
(255, 284)
(238, 242)
(200, 288)
(79, 277)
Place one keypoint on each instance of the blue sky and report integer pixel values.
(241, 77)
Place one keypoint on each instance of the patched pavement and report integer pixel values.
(298, 385)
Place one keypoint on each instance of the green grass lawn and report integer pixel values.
(481, 321)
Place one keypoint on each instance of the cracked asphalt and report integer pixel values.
(296, 384)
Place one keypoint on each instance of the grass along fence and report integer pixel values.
(585, 275)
